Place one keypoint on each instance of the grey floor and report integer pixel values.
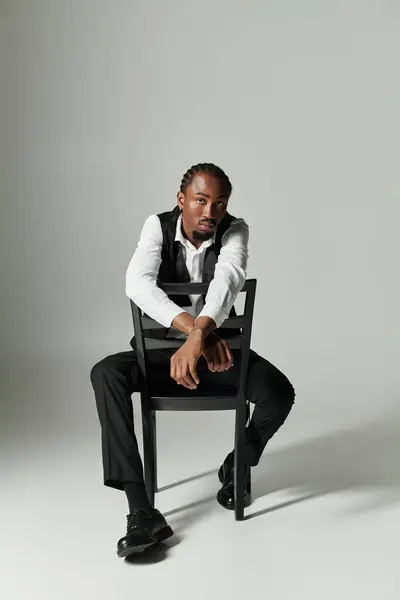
(324, 522)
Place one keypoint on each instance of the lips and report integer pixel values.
(206, 226)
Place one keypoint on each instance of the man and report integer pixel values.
(197, 241)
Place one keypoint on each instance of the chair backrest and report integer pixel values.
(241, 342)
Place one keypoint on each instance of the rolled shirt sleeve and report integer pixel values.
(230, 273)
(141, 275)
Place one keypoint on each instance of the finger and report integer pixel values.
(225, 359)
(215, 360)
(193, 372)
(185, 384)
(221, 358)
(229, 355)
(209, 356)
(188, 382)
(187, 377)
(178, 373)
(173, 370)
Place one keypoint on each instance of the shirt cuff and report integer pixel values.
(216, 313)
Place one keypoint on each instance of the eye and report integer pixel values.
(200, 200)
(222, 203)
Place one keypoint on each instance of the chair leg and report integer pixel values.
(239, 467)
(155, 480)
(150, 453)
(247, 423)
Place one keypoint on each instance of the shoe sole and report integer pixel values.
(160, 536)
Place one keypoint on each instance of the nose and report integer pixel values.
(209, 211)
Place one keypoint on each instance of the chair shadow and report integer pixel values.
(187, 480)
(362, 459)
(184, 516)
(285, 504)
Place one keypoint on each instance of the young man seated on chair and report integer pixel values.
(198, 241)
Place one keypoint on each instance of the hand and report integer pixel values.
(184, 361)
(217, 353)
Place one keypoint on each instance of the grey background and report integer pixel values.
(104, 106)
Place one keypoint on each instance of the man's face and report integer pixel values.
(204, 205)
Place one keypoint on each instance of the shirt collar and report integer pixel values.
(179, 237)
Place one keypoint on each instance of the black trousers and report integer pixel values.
(117, 377)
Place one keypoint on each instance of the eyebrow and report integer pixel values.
(208, 196)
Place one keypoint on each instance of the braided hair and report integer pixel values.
(209, 169)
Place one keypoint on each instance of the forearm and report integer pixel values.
(229, 275)
(152, 301)
(184, 322)
(142, 272)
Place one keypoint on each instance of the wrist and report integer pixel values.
(183, 322)
(197, 333)
(190, 328)
(204, 325)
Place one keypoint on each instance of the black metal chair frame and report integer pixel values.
(188, 400)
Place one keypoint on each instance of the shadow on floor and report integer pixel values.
(154, 554)
(187, 480)
(363, 458)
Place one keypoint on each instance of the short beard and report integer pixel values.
(202, 236)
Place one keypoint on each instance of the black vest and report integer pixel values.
(173, 266)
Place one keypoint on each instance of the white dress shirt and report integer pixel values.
(229, 276)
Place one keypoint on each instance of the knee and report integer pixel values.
(286, 394)
(277, 396)
(282, 401)
(99, 371)
(289, 393)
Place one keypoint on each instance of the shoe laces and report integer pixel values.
(135, 520)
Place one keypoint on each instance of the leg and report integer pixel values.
(234, 474)
(273, 395)
(270, 391)
(114, 380)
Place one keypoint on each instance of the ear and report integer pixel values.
(181, 200)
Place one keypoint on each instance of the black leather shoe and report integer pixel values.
(143, 530)
(225, 495)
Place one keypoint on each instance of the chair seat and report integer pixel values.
(176, 397)
(173, 389)
(198, 403)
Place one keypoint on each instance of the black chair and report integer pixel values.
(179, 398)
